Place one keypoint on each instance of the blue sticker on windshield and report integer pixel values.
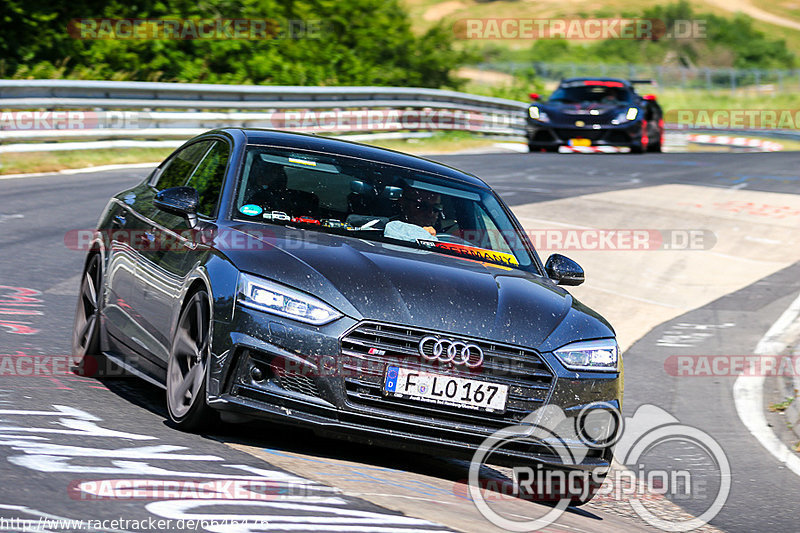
(251, 210)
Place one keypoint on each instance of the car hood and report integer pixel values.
(403, 285)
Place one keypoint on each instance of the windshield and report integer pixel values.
(599, 94)
(376, 201)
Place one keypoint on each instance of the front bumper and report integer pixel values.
(543, 136)
(305, 378)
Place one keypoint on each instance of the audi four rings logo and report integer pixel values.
(449, 351)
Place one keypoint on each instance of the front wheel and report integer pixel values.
(186, 369)
(86, 327)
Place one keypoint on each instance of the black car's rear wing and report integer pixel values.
(642, 82)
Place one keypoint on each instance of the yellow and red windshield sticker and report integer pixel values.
(471, 252)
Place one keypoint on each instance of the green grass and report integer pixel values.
(449, 11)
(746, 98)
(782, 406)
(21, 163)
(440, 143)
(18, 163)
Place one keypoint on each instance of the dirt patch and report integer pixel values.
(439, 11)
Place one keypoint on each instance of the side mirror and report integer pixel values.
(534, 96)
(179, 201)
(563, 270)
(650, 97)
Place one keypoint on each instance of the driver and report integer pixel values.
(422, 208)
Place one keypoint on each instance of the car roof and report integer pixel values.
(317, 143)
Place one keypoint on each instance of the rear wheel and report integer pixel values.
(186, 369)
(86, 326)
(656, 146)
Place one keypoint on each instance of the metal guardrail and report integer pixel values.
(137, 110)
(19, 93)
(107, 110)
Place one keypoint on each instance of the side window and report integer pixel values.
(180, 167)
(208, 176)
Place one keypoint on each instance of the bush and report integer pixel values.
(364, 42)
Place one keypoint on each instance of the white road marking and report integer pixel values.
(748, 391)
(3, 218)
(67, 287)
(762, 240)
(71, 171)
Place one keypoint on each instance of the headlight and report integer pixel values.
(536, 114)
(271, 297)
(601, 355)
(626, 116)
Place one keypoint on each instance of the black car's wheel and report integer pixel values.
(656, 146)
(186, 369)
(86, 326)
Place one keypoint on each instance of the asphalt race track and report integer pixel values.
(61, 434)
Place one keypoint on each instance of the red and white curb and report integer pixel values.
(742, 142)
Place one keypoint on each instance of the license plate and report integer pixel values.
(445, 390)
(580, 142)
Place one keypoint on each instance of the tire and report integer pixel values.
(86, 352)
(187, 367)
(593, 490)
(655, 147)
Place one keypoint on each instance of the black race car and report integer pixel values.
(595, 112)
(345, 288)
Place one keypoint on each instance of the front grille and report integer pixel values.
(528, 378)
(297, 383)
(543, 136)
(618, 136)
(575, 133)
